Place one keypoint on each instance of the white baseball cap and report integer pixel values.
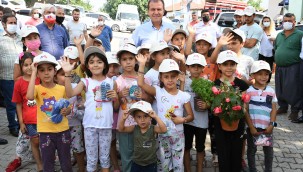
(127, 47)
(179, 31)
(58, 67)
(158, 46)
(111, 58)
(140, 105)
(45, 58)
(145, 45)
(196, 58)
(169, 65)
(28, 29)
(239, 13)
(240, 33)
(174, 48)
(93, 49)
(127, 41)
(226, 56)
(259, 65)
(204, 36)
(71, 52)
(249, 11)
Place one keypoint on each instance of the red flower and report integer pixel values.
(217, 110)
(237, 108)
(215, 90)
(227, 100)
(245, 98)
(232, 83)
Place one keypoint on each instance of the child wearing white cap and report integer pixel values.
(198, 127)
(144, 50)
(52, 136)
(229, 143)
(261, 117)
(178, 39)
(145, 145)
(31, 43)
(171, 103)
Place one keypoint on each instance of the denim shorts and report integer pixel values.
(32, 130)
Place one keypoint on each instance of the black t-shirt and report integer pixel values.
(238, 83)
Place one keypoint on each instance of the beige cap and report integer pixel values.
(226, 56)
(71, 52)
(158, 46)
(45, 58)
(259, 65)
(168, 65)
(127, 47)
(140, 105)
(179, 31)
(28, 29)
(93, 49)
(196, 58)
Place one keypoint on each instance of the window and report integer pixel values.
(129, 16)
(24, 12)
(226, 20)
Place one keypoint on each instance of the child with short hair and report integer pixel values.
(198, 127)
(27, 114)
(54, 136)
(229, 143)
(261, 117)
(145, 142)
(171, 103)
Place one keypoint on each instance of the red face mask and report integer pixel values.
(50, 18)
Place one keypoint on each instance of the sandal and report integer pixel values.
(215, 160)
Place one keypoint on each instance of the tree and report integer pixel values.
(85, 5)
(112, 6)
(255, 3)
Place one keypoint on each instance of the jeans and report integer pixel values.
(251, 153)
(7, 88)
(148, 168)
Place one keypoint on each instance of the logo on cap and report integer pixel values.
(140, 103)
(43, 56)
(196, 57)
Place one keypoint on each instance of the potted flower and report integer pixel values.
(203, 89)
(228, 105)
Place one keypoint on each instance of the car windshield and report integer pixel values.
(14, 3)
(130, 16)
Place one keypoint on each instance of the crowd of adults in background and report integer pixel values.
(262, 43)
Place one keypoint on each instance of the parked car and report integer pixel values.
(12, 4)
(114, 25)
(178, 23)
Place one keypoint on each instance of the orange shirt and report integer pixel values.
(192, 23)
(210, 71)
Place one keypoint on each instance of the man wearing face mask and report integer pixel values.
(253, 33)
(10, 47)
(106, 35)
(53, 37)
(289, 70)
(206, 25)
(60, 16)
(35, 18)
(76, 28)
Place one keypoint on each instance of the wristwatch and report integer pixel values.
(273, 124)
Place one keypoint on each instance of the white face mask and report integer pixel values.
(101, 23)
(266, 24)
(11, 28)
(287, 25)
(36, 16)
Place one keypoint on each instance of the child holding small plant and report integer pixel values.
(198, 127)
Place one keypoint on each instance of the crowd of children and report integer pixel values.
(141, 97)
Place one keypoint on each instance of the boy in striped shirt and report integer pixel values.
(262, 113)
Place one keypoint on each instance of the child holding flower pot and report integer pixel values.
(229, 143)
(262, 113)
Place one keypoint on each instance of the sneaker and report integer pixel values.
(281, 111)
(14, 165)
(293, 116)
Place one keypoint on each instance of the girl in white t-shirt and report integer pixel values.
(171, 103)
(100, 92)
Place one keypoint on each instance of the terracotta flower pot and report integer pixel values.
(196, 107)
(225, 126)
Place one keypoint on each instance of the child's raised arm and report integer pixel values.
(161, 127)
(190, 40)
(67, 68)
(122, 128)
(224, 40)
(78, 42)
(31, 86)
(147, 88)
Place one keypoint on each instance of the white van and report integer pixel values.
(129, 15)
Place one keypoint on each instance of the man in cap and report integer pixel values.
(253, 33)
(238, 16)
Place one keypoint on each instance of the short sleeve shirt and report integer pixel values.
(106, 36)
(75, 29)
(243, 67)
(210, 28)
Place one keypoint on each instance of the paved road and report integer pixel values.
(288, 146)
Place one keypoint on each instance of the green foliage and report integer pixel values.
(202, 87)
(112, 6)
(227, 91)
(255, 3)
(82, 3)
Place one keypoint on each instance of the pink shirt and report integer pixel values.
(33, 22)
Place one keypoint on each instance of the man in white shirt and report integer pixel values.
(253, 33)
(76, 28)
(206, 25)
